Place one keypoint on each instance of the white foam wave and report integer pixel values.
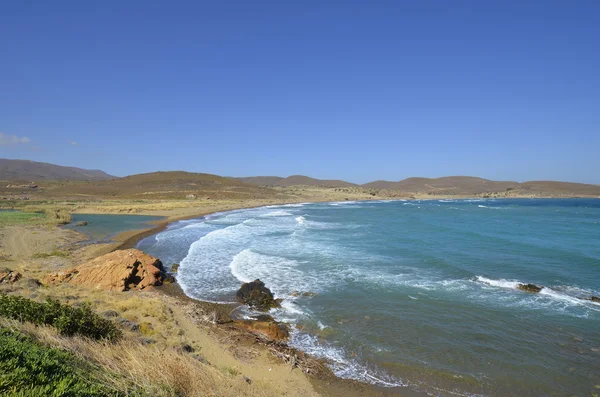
(511, 284)
(276, 214)
(338, 203)
(340, 363)
(557, 298)
(300, 219)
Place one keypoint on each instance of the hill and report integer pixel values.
(25, 170)
(261, 180)
(294, 180)
(466, 185)
(444, 185)
(160, 185)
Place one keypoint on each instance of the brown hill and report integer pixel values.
(261, 180)
(444, 185)
(295, 180)
(558, 188)
(160, 185)
(466, 185)
(25, 170)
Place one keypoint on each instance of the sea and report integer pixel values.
(416, 294)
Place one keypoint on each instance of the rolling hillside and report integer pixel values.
(445, 185)
(294, 180)
(25, 170)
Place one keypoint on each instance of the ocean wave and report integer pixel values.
(341, 363)
(276, 214)
(555, 297)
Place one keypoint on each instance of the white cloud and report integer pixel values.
(73, 143)
(10, 140)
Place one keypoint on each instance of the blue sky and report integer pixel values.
(506, 90)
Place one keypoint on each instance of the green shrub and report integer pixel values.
(29, 369)
(67, 319)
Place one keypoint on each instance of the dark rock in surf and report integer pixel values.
(593, 299)
(529, 287)
(257, 296)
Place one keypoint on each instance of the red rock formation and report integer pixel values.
(9, 276)
(267, 327)
(118, 271)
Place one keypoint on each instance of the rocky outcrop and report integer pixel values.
(593, 299)
(257, 296)
(9, 276)
(266, 327)
(529, 287)
(118, 271)
(82, 223)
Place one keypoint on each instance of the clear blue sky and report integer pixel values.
(355, 90)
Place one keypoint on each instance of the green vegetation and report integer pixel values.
(10, 218)
(66, 319)
(29, 369)
(56, 252)
(35, 216)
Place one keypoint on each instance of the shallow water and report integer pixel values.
(419, 293)
(103, 226)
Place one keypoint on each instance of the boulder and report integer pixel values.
(175, 268)
(257, 296)
(529, 287)
(266, 327)
(118, 271)
(9, 276)
(82, 223)
(593, 299)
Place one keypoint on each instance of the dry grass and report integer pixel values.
(150, 369)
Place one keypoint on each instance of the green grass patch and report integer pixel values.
(30, 369)
(68, 320)
(57, 252)
(10, 218)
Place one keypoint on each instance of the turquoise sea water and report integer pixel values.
(417, 293)
(104, 226)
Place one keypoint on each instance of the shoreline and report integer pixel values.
(328, 383)
(325, 382)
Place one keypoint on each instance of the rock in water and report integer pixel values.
(118, 271)
(593, 299)
(529, 287)
(267, 327)
(256, 295)
(81, 223)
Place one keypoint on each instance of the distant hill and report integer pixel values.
(294, 180)
(25, 170)
(467, 185)
(261, 180)
(163, 185)
(445, 185)
(563, 188)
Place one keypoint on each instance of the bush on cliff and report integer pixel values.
(67, 319)
(31, 369)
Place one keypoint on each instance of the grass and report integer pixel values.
(10, 218)
(130, 368)
(35, 216)
(28, 368)
(66, 319)
(56, 252)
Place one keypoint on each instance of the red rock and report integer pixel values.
(9, 276)
(270, 329)
(118, 271)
